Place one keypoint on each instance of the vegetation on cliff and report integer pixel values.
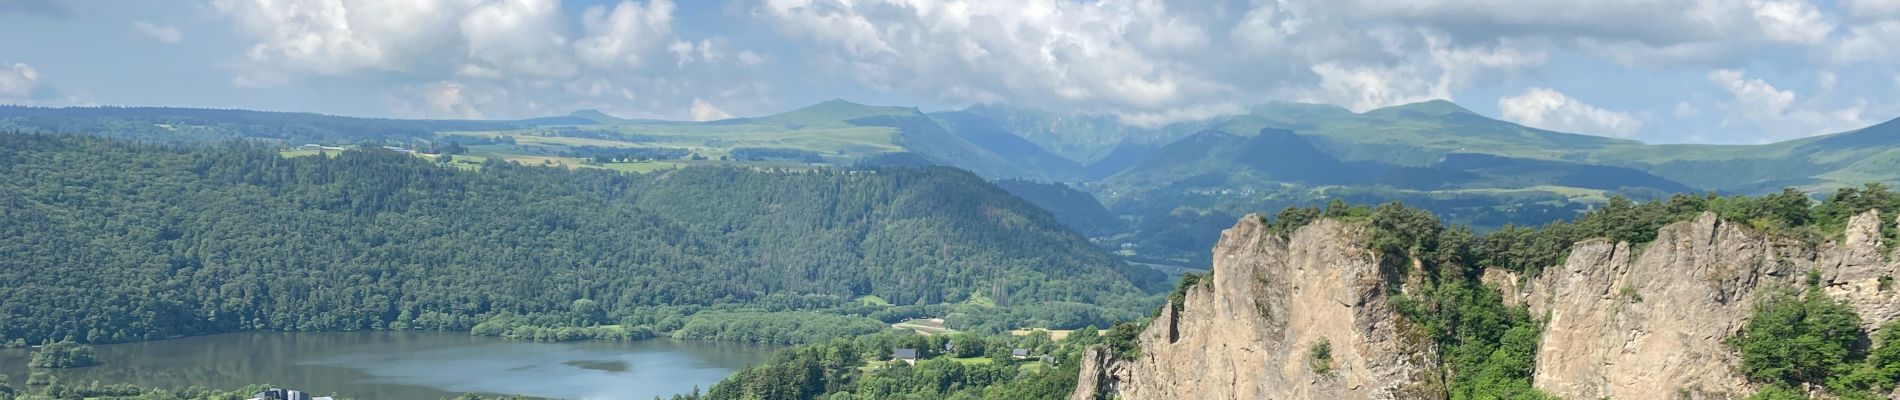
(1809, 339)
(1489, 349)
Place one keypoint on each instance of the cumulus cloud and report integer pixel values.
(1149, 62)
(164, 34)
(448, 98)
(518, 38)
(495, 58)
(332, 37)
(625, 35)
(1549, 109)
(1757, 106)
(18, 82)
(703, 111)
(1364, 88)
(1110, 56)
(1794, 21)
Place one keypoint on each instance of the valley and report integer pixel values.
(949, 200)
(845, 228)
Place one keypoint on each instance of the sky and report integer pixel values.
(1660, 71)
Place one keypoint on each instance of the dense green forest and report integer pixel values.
(109, 241)
(55, 390)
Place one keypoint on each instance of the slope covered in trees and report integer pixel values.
(108, 241)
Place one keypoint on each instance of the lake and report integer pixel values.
(411, 365)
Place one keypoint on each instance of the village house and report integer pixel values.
(909, 356)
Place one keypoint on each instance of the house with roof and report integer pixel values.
(1019, 354)
(908, 356)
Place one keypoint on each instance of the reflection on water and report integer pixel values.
(411, 365)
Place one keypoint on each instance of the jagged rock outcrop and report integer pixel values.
(1247, 332)
(1649, 322)
(1622, 321)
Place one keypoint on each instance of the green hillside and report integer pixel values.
(1436, 155)
(205, 239)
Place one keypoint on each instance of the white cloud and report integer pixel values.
(1549, 109)
(498, 58)
(1363, 88)
(519, 38)
(18, 82)
(1149, 62)
(623, 36)
(1792, 21)
(447, 98)
(1111, 56)
(332, 37)
(1758, 106)
(1879, 41)
(163, 34)
(703, 111)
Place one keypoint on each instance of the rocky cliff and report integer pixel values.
(1621, 320)
(1649, 322)
(1250, 330)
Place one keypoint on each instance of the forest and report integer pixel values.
(111, 241)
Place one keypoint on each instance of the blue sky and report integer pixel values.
(1663, 71)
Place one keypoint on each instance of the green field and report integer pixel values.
(872, 299)
(932, 326)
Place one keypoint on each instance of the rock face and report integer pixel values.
(1249, 330)
(1620, 321)
(1650, 323)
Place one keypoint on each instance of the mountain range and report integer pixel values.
(1157, 183)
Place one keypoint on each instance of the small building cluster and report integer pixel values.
(285, 394)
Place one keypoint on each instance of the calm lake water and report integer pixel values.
(411, 365)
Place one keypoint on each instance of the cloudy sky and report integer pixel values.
(1705, 71)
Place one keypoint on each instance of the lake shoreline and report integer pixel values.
(410, 364)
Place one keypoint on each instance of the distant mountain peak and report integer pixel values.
(595, 115)
(1434, 107)
(840, 110)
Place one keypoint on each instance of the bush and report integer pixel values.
(1320, 356)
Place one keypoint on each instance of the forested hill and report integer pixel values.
(107, 241)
